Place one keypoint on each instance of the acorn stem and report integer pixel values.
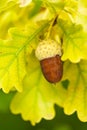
(51, 25)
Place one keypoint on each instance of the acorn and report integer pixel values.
(49, 54)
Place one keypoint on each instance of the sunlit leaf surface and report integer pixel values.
(77, 90)
(12, 58)
(74, 42)
(38, 97)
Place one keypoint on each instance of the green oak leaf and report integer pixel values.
(77, 90)
(81, 17)
(12, 65)
(83, 3)
(66, 9)
(5, 4)
(74, 42)
(12, 57)
(39, 96)
(71, 8)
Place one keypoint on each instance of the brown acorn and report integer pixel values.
(52, 68)
(49, 54)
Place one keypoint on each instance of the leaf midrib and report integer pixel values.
(30, 38)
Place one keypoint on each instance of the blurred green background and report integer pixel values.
(15, 122)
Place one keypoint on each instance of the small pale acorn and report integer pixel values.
(49, 54)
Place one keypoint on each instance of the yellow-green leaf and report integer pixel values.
(12, 57)
(82, 14)
(74, 42)
(5, 4)
(39, 96)
(83, 3)
(12, 66)
(76, 99)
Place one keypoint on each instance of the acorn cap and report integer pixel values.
(48, 48)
